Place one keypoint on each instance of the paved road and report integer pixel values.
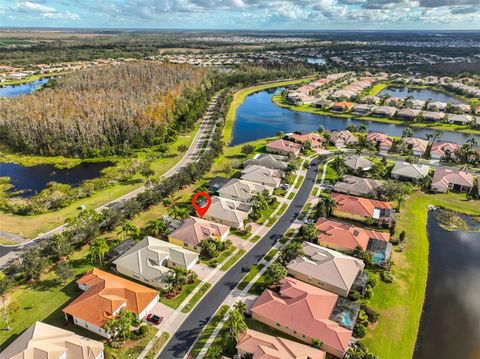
(9, 253)
(181, 342)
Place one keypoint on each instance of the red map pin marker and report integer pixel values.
(201, 210)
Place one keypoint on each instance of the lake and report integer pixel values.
(34, 179)
(258, 117)
(451, 314)
(422, 94)
(23, 89)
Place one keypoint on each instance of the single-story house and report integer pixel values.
(240, 190)
(151, 260)
(262, 175)
(381, 140)
(342, 106)
(436, 106)
(372, 100)
(358, 208)
(408, 114)
(358, 186)
(362, 109)
(215, 184)
(278, 162)
(459, 119)
(104, 296)
(433, 116)
(406, 171)
(384, 111)
(461, 107)
(393, 101)
(225, 211)
(324, 104)
(326, 268)
(303, 311)
(441, 150)
(343, 139)
(44, 341)
(315, 140)
(357, 163)
(195, 230)
(446, 179)
(418, 146)
(283, 147)
(416, 104)
(257, 345)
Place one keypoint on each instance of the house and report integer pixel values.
(442, 150)
(418, 146)
(230, 213)
(278, 162)
(315, 140)
(43, 341)
(195, 230)
(446, 179)
(346, 237)
(240, 190)
(215, 184)
(461, 108)
(326, 268)
(384, 111)
(151, 260)
(433, 116)
(257, 345)
(371, 100)
(408, 114)
(437, 106)
(405, 171)
(416, 104)
(358, 164)
(343, 139)
(362, 109)
(459, 119)
(381, 140)
(104, 296)
(262, 175)
(324, 104)
(361, 209)
(304, 312)
(283, 147)
(393, 101)
(358, 186)
(342, 106)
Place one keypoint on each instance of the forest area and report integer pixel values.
(106, 111)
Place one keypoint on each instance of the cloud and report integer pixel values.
(35, 9)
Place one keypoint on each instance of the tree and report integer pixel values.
(119, 327)
(236, 324)
(214, 352)
(280, 134)
(156, 228)
(5, 284)
(425, 182)
(292, 167)
(240, 306)
(177, 278)
(209, 248)
(85, 226)
(407, 132)
(274, 274)
(64, 271)
(247, 149)
(60, 246)
(317, 343)
(33, 263)
(98, 249)
(182, 148)
(309, 232)
(146, 170)
(307, 146)
(338, 164)
(326, 205)
(290, 251)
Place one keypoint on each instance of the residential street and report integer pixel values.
(182, 340)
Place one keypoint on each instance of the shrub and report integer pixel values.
(387, 276)
(401, 237)
(371, 314)
(355, 295)
(359, 331)
(143, 331)
(117, 344)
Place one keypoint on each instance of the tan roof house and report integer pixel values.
(104, 296)
(418, 146)
(284, 147)
(446, 179)
(228, 212)
(441, 150)
(194, 231)
(362, 109)
(459, 119)
(240, 190)
(393, 101)
(342, 139)
(381, 140)
(358, 186)
(357, 163)
(433, 116)
(408, 114)
(405, 171)
(315, 140)
(436, 106)
(257, 345)
(43, 341)
(342, 106)
(278, 162)
(326, 268)
(303, 311)
(384, 111)
(262, 175)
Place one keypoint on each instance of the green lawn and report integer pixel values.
(271, 254)
(219, 259)
(280, 212)
(251, 274)
(201, 292)
(400, 303)
(291, 195)
(132, 348)
(157, 346)
(175, 302)
(299, 182)
(255, 239)
(233, 260)
(268, 212)
(376, 89)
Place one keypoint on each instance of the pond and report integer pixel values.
(420, 94)
(22, 89)
(258, 117)
(451, 313)
(34, 179)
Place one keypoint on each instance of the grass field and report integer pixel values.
(400, 303)
(132, 348)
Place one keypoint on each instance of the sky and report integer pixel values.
(244, 14)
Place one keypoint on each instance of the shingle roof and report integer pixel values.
(240, 189)
(195, 230)
(258, 174)
(410, 170)
(358, 185)
(444, 176)
(228, 210)
(357, 162)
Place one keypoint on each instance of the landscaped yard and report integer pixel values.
(251, 274)
(201, 292)
(157, 346)
(233, 259)
(176, 301)
(132, 348)
(213, 262)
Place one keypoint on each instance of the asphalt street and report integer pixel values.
(183, 339)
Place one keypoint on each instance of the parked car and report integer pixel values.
(285, 186)
(155, 319)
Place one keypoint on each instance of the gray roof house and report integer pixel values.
(384, 111)
(358, 186)
(433, 116)
(262, 175)
(459, 119)
(356, 163)
(362, 109)
(240, 190)
(278, 162)
(408, 113)
(409, 171)
(151, 260)
(325, 268)
(225, 211)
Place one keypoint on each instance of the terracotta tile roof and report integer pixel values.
(194, 230)
(416, 144)
(306, 309)
(444, 176)
(358, 206)
(344, 104)
(283, 145)
(105, 294)
(441, 148)
(315, 140)
(383, 139)
(264, 346)
(346, 236)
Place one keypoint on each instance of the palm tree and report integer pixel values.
(407, 132)
(240, 306)
(329, 204)
(177, 278)
(236, 324)
(98, 249)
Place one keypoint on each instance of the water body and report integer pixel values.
(316, 60)
(23, 89)
(451, 314)
(34, 179)
(423, 94)
(258, 117)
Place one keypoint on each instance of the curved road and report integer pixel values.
(183, 339)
